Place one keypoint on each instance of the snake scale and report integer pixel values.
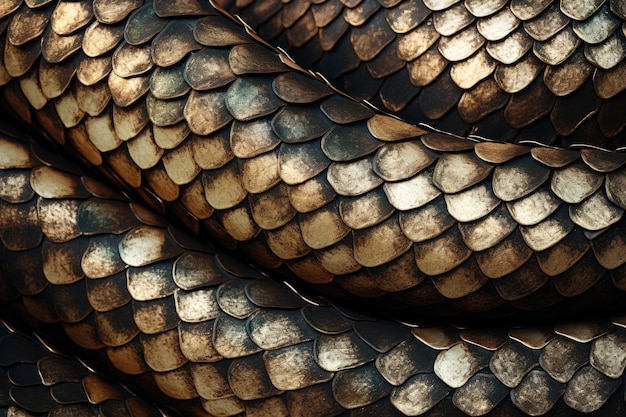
(160, 160)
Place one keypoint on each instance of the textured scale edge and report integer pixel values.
(586, 372)
(256, 346)
(193, 151)
(494, 71)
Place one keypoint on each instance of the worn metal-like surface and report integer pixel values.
(537, 71)
(36, 380)
(356, 204)
(176, 103)
(220, 339)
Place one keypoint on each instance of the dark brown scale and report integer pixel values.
(236, 141)
(558, 45)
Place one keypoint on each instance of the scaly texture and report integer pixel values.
(260, 156)
(35, 380)
(219, 339)
(527, 71)
(546, 71)
(177, 102)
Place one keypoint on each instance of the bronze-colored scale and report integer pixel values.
(539, 72)
(173, 104)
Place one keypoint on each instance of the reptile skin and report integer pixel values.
(37, 380)
(547, 72)
(220, 339)
(174, 104)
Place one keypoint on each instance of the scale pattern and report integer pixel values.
(240, 144)
(219, 339)
(175, 103)
(35, 380)
(547, 71)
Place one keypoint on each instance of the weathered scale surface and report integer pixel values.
(271, 161)
(220, 339)
(547, 72)
(176, 104)
(37, 380)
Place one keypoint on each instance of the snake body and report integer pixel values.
(547, 72)
(176, 105)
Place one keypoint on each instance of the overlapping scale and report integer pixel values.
(242, 123)
(43, 381)
(513, 43)
(256, 344)
(261, 153)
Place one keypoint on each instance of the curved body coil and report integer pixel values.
(219, 339)
(36, 380)
(175, 103)
(548, 72)
(269, 160)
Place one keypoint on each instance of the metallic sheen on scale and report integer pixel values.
(175, 105)
(547, 72)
